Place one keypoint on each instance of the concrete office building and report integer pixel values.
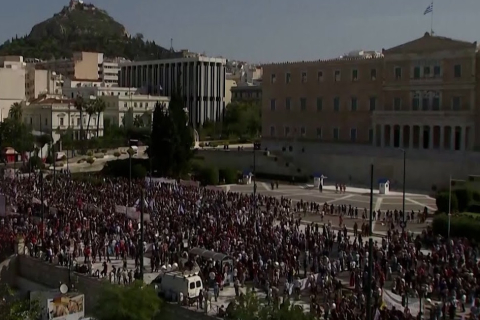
(201, 80)
(12, 83)
(422, 96)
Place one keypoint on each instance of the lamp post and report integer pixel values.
(370, 250)
(256, 146)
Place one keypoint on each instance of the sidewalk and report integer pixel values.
(364, 191)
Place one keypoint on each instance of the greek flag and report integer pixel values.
(429, 9)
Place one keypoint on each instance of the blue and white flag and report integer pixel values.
(429, 9)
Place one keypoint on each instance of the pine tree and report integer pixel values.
(171, 140)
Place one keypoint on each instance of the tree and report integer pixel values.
(15, 134)
(90, 108)
(133, 302)
(13, 308)
(248, 307)
(242, 119)
(100, 107)
(171, 140)
(80, 106)
(16, 112)
(138, 121)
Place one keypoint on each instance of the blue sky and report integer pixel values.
(268, 30)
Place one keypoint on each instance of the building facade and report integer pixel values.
(201, 80)
(12, 82)
(39, 82)
(55, 114)
(247, 93)
(419, 95)
(421, 98)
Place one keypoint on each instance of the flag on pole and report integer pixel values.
(429, 9)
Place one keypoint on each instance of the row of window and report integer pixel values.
(427, 102)
(287, 132)
(93, 120)
(418, 72)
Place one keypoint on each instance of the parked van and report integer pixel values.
(171, 284)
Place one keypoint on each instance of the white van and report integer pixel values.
(171, 284)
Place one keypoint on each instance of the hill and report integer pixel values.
(82, 27)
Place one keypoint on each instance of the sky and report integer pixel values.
(262, 31)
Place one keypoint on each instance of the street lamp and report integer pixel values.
(256, 146)
(403, 193)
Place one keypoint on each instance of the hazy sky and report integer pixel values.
(268, 30)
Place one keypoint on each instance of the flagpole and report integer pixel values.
(431, 20)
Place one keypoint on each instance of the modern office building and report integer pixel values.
(200, 80)
(422, 97)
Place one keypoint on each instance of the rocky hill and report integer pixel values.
(82, 27)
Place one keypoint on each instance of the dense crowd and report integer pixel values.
(262, 235)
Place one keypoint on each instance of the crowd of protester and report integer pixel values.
(322, 263)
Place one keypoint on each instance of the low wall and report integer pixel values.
(51, 276)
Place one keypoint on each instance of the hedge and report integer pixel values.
(460, 226)
(229, 175)
(208, 175)
(121, 168)
(442, 201)
(462, 199)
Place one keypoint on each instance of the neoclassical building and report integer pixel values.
(422, 96)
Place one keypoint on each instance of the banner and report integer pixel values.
(159, 181)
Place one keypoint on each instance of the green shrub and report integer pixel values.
(81, 161)
(476, 196)
(208, 175)
(460, 226)
(90, 153)
(139, 171)
(121, 167)
(64, 158)
(442, 201)
(213, 144)
(464, 197)
(117, 154)
(90, 160)
(229, 175)
(201, 144)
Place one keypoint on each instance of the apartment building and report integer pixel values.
(38, 81)
(12, 82)
(201, 80)
(247, 92)
(421, 97)
(86, 66)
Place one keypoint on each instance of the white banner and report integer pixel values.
(136, 216)
(159, 180)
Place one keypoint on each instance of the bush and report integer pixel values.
(464, 197)
(229, 175)
(90, 153)
(117, 154)
(81, 161)
(201, 145)
(460, 226)
(139, 171)
(121, 168)
(64, 158)
(90, 160)
(442, 201)
(208, 175)
(213, 144)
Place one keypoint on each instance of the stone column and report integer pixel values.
(431, 131)
(400, 140)
(382, 135)
(452, 138)
(410, 137)
(420, 139)
(463, 139)
(442, 137)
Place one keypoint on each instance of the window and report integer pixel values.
(319, 133)
(457, 71)
(416, 73)
(273, 78)
(303, 131)
(436, 101)
(288, 102)
(354, 75)
(46, 121)
(436, 71)
(303, 104)
(370, 135)
(287, 131)
(134, 104)
(61, 121)
(353, 134)
(78, 122)
(456, 102)
(198, 284)
(336, 134)
(336, 104)
(353, 104)
(373, 74)
(426, 101)
(273, 105)
(415, 101)
(426, 72)
(192, 285)
(125, 105)
(319, 104)
(398, 73)
(397, 104)
(373, 103)
(288, 77)
(320, 76)
(272, 131)
(31, 121)
(304, 77)
(337, 75)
